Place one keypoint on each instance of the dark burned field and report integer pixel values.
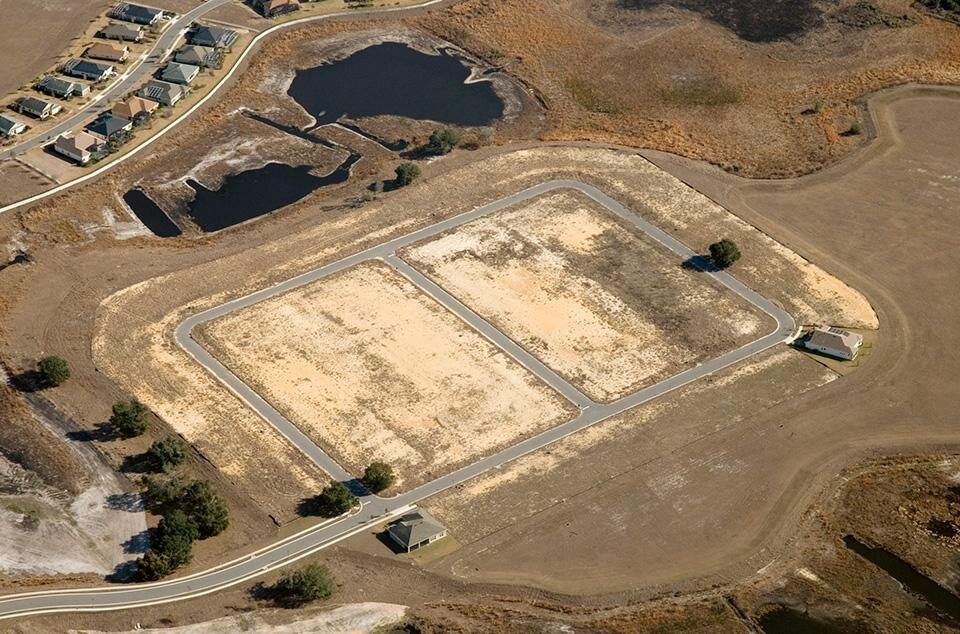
(751, 20)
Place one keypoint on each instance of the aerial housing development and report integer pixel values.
(471, 316)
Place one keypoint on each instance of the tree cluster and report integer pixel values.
(166, 453)
(406, 174)
(191, 510)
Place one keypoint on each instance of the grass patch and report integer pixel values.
(702, 92)
(587, 98)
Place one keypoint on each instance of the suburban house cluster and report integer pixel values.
(102, 63)
(204, 48)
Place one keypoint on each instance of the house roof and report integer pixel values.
(196, 55)
(78, 143)
(121, 30)
(34, 104)
(157, 90)
(179, 73)
(8, 123)
(107, 125)
(108, 51)
(136, 13)
(86, 66)
(58, 84)
(416, 527)
(212, 36)
(834, 338)
(129, 108)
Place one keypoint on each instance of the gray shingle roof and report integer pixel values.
(212, 36)
(108, 125)
(416, 527)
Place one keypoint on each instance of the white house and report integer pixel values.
(835, 342)
(79, 147)
(10, 126)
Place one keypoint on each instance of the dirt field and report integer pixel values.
(595, 299)
(757, 88)
(18, 181)
(373, 369)
(50, 27)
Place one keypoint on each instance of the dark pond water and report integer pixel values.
(785, 620)
(394, 79)
(257, 192)
(942, 600)
(150, 214)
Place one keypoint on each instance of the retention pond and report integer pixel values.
(394, 79)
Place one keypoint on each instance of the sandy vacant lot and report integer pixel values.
(372, 368)
(597, 300)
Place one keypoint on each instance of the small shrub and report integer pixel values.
(53, 371)
(378, 476)
(724, 253)
(444, 141)
(406, 174)
(299, 587)
(129, 418)
(167, 453)
(334, 500)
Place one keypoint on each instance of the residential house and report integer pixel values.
(62, 88)
(109, 127)
(109, 52)
(135, 109)
(164, 93)
(121, 32)
(204, 56)
(835, 342)
(37, 108)
(416, 530)
(136, 13)
(80, 147)
(272, 8)
(178, 73)
(85, 69)
(10, 126)
(212, 36)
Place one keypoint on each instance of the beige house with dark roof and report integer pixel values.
(835, 342)
(416, 530)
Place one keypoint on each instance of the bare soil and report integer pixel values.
(372, 368)
(592, 297)
(33, 33)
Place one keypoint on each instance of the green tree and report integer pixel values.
(165, 494)
(167, 453)
(724, 253)
(153, 565)
(206, 508)
(406, 174)
(299, 587)
(129, 418)
(334, 500)
(378, 476)
(53, 371)
(443, 141)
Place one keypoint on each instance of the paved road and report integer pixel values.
(373, 508)
(138, 73)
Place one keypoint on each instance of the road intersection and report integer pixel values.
(374, 509)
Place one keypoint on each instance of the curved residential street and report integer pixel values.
(375, 509)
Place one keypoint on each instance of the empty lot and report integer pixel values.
(593, 298)
(373, 369)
